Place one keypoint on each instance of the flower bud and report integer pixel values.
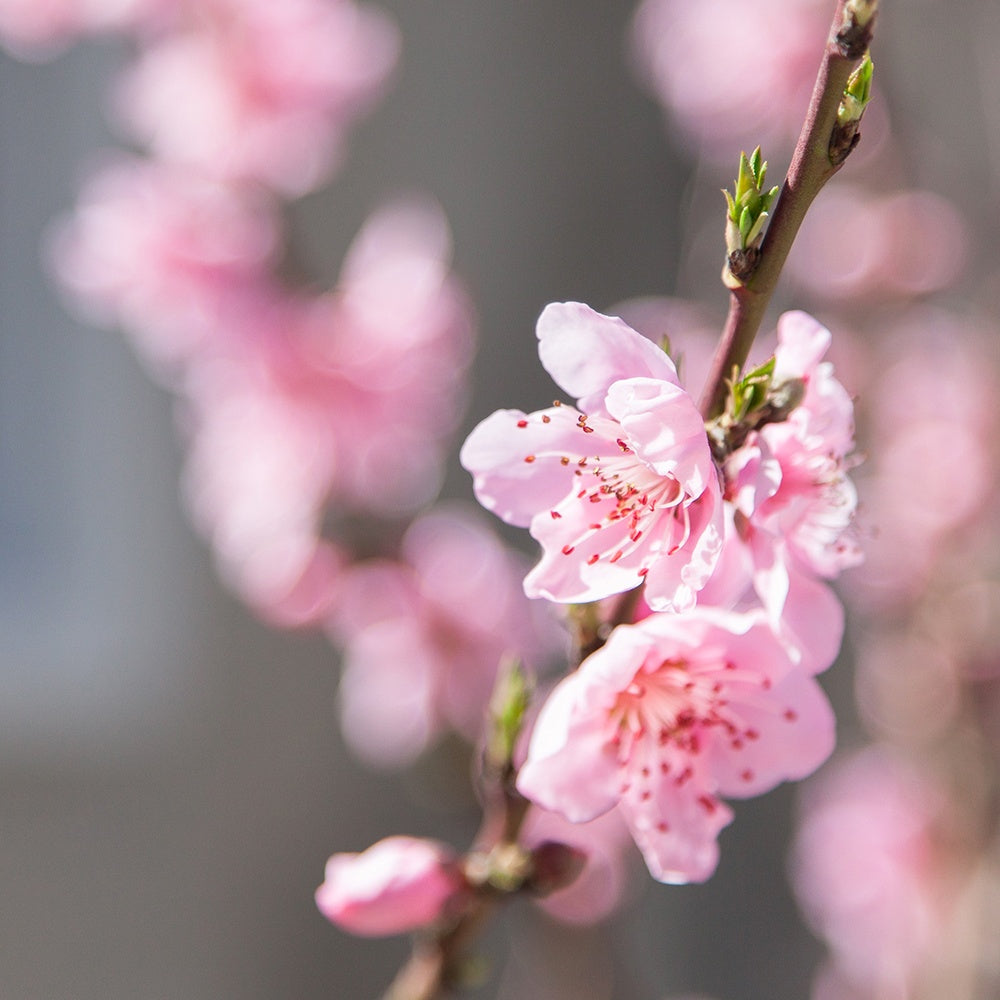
(857, 93)
(399, 884)
(510, 700)
(856, 97)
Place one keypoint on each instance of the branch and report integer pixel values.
(820, 152)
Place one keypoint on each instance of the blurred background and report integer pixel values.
(172, 779)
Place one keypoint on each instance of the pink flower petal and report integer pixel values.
(585, 351)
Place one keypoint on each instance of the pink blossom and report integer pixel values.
(728, 72)
(790, 504)
(164, 253)
(259, 90)
(864, 870)
(670, 714)
(619, 491)
(399, 884)
(423, 638)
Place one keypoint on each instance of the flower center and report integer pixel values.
(633, 497)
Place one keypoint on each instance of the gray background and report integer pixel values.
(171, 777)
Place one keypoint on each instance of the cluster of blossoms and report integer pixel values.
(869, 255)
(707, 544)
(703, 696)
(692, 699)
(299, 407)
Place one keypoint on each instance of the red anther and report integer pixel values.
(567, 550)
(522, 423)
(529, 458)
(555, 515)
(593, 559)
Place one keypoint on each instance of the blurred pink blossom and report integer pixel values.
(731, 73)
(312, 407)
(934, 395)
(399, 884)
(620, 491)
(906, 682)
(857, 244)
(423, 638)
(864, 870)
(164, 252)
(258, 90)
(38, 29)
(668, 715)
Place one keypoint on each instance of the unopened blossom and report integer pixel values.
(618, 490)
(398, 885)
(423, 637)
(866, 872)
(259, 90)
(668, 716)
(789, 501)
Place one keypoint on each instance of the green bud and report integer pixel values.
(747, 212)
(508, 704)
(857, 93)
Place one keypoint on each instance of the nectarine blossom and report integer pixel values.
(666, 717)
(619, 491)
(399, 884)
(790, 504)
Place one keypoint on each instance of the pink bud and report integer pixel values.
(397, 885)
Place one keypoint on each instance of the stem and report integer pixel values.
(431, 967)
(434, 965)
(811, 168)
